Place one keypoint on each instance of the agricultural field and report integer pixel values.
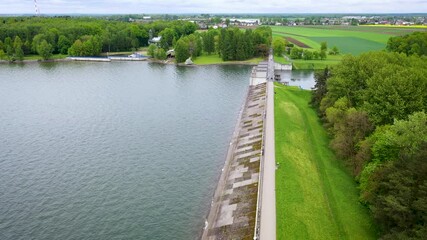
(349, 40)
(315, 196)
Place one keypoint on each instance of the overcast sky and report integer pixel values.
(214, 6)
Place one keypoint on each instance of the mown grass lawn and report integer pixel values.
(206, 59)
(38, 57)
(315, 197)
(311, 64)
(281, 60)
(317, 64)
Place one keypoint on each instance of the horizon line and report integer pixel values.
(186, 13)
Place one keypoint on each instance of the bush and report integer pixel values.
(161, 54)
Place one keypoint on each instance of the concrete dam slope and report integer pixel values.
(244, 203)
(233, 212)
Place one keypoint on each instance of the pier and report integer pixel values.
(243, 206)
(90, 59)
(107, 59)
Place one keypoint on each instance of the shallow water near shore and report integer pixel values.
(300, 78)
(123, 150)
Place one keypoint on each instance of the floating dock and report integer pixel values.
(90, 59)
(107, 59)
(128, 58)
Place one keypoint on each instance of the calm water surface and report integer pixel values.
(300, 78)
(113, 150)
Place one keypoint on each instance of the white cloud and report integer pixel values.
(214, 6)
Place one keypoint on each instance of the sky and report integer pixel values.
(212, 6)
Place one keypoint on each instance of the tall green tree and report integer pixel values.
(17, 48)
(37, 39)
(394, 93)
(2, 55)
(8, 45)
(45, 50)
(319, 90)
(161, 54)
(167, 35)
(279, 45)
(181, 51)
(209, 42)
(152, 50)
(63, 44)
(323, 46)
(322, 55)
(414, 43)
(395, 182)
(296, 53)
(76, 49)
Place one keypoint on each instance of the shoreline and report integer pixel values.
(35, 61)
(165, 62)
(211, 214)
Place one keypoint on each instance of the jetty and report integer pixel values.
(90, 59)
(107, 59)
(128, 58)
(243, 206)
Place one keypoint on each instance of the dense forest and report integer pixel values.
(374, 107)
(410, 44)
(228, 43)
(45, 36)
(79, 36)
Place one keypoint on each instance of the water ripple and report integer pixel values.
(112, 150)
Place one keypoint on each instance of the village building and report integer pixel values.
(245, 22)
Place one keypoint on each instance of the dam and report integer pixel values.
(243, 206)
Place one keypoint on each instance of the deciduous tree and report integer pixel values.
(45, 50)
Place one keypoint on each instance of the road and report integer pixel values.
(270, 69)
(268, 199)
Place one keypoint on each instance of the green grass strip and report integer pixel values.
(315, 196)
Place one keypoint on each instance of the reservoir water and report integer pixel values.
(121, 150)
(117, 150)
(300, 78)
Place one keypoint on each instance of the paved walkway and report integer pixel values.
(268, 194)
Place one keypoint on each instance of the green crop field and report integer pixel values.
(315, 197)
(348, 41)
(351, 45)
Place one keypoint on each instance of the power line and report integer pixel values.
(37, 8)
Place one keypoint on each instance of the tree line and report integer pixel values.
(415, 43)
(229, 43)
(374, 106)
(80, 36)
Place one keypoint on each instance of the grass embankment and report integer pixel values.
(211, 59)
(315, 197)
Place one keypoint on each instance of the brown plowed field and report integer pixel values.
(296, 42)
